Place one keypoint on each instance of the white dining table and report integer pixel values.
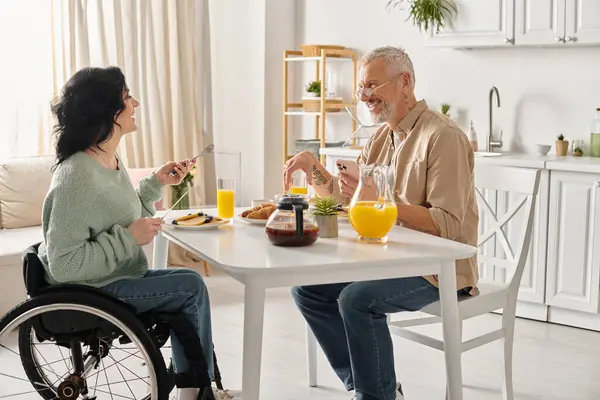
(242, 251)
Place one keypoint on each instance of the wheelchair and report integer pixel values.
(90, 325)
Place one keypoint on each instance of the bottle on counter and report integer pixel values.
(595, 135)
(473, 137)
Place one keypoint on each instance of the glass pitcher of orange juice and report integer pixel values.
(372, 210)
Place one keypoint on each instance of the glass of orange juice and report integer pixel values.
(299, 184)
(225, 197)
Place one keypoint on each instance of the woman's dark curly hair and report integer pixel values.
(86, 110)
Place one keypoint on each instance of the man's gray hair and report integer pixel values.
(396, 59)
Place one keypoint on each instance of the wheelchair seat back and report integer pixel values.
(63, 324)
(33, 270)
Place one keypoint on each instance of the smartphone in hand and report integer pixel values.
(348, 167)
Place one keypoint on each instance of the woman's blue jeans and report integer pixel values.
(178, 291)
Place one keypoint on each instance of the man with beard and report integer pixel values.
(434, 191)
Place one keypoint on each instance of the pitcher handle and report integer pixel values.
(299, 220)
(380, 182)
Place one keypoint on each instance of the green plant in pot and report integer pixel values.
(326, 212)
(179, 190)
(427, 14)
(314, 88)
(446, 109)
(562, 145)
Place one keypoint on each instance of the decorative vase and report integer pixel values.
(328, 225)
(562, 147)
(176, 192)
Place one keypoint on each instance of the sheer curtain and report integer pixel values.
(26, 79)
(161, 47)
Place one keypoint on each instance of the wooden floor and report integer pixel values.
(551, 362)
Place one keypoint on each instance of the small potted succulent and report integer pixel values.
(326, 216)
(446, 109)
(562, 146)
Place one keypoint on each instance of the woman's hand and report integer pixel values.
(145, 229)
(181, 168)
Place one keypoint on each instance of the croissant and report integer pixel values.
(263, 213)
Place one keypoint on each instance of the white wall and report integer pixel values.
(238, 68)
(248, 38)
(543, 92)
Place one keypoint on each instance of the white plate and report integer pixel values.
(252, 221)
(212, 225)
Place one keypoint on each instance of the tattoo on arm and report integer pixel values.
(330, 187)
(319, 178)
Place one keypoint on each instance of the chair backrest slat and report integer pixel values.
(524, 183)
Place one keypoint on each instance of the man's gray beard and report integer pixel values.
(386, 112)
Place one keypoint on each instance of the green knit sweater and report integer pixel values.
(84, 219)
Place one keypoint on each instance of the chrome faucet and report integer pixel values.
(491, 143)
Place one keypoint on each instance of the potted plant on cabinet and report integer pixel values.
(326, 216)
(427, 14)
(562, 145)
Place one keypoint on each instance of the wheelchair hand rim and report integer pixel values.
(37, 310)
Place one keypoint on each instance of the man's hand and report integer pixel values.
(305, 162)
(348, 184)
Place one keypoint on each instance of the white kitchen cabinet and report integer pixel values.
(582, 22)
(573, 266)
(478, 23)
(500, 23)
(539, 22)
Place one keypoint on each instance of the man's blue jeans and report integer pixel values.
(349, 322)
(172, 291)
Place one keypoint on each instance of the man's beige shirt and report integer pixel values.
(434, 164)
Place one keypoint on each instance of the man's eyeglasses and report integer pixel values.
(369, 91)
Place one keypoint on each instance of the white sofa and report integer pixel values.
(24, 182)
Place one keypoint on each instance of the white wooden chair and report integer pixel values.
(523, 183)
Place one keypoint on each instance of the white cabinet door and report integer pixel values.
(532, 288)
(573, 273)
(539, 22)
(478, 23)
(582, 22)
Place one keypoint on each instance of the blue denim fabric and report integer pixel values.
(172, 291)
(349, 322)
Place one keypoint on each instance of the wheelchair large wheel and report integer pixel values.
(88, 353)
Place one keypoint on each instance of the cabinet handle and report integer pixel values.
(507, 40)
(568, 39)
(597, 183)
(558, 39)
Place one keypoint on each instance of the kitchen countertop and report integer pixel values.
(550, 162)
(575, 164)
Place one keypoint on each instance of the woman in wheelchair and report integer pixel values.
(95, 222)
